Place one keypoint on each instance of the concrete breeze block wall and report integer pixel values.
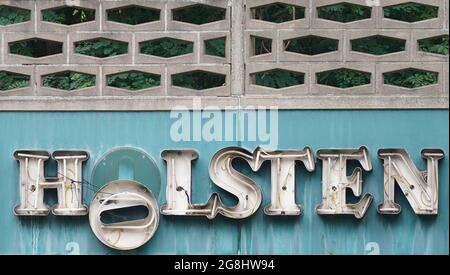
(240, 64)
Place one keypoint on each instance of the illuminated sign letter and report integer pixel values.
(179, 179)
(420, 188)
(283, 179)
(335, 181)
(222, 173)
(69, 183)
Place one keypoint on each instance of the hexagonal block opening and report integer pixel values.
(311, 45)
(13, 15)
(11, 81)
(436, 45)
(199, 14)
(260, 45)
(68, 15)
(68, 80)
(133, 80)
(215, 47)
(35, 47)
(344, 12)
(411, 12)
(277, 78)
(166, 47)
(133, 15)
(198, 80)
(101, 47)
(378, 45)
(410, 78)
(343, 78)
(278, 12)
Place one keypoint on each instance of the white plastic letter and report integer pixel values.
(69, 183)
(178, 194)
(335, 181)
(179, 178)
(283, 180)
(420, 188)
(222, 173)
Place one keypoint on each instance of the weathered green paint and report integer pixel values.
(127, 163)
(98, 133)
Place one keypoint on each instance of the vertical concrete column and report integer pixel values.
(237, 47)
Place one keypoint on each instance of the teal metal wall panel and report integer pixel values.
(308, 234)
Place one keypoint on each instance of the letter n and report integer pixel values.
(420, 188)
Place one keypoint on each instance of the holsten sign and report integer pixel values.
(420, 188)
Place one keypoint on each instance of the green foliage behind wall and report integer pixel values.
(411, 12)
(166, 47)
(68, 15)
(343, 78)
(199, 14)
(12, 15)
(10, 81)
(437, 45)
(278, 78)
(133, 15)
(101, 47)
(215, 47)
(133, 80)
(68, 80)
(410, 78)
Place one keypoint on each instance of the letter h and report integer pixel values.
(68, 182)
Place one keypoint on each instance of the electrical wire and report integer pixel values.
(86, 183)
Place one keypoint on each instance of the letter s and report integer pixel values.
(226, 177)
